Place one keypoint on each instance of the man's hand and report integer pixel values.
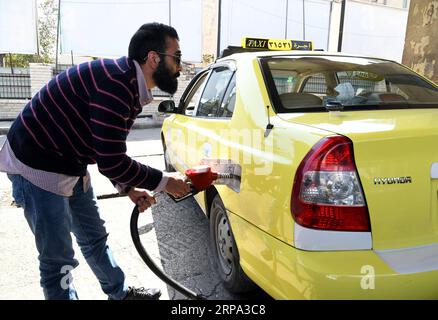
(177, 185)
(143, 199)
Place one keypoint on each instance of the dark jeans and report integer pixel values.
(52, 218)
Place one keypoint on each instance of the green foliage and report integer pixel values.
(47, 23)
(20, 60)
(207, 58)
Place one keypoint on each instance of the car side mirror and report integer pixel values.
(167, 106)
(190, 111)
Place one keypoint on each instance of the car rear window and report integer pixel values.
(312, 83)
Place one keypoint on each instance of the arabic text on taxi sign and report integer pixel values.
(276, 44)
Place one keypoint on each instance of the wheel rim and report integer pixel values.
(224, 242)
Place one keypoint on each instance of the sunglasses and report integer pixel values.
(176, 58)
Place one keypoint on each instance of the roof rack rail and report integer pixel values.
(236, 49)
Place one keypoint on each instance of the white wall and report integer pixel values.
(187, 20)
(255, 18)
(251, 18)
(317, 19)
(105, 27)
(374, 30)
(18, 26)
(369, 29)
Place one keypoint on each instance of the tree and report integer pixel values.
(47, 23)
(2, 58)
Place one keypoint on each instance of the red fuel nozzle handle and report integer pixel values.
(200, 179)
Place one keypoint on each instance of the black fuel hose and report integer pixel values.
(151, 264)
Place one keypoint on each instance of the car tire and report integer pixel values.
(225, 253)
(168, 167)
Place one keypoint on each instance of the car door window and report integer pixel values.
(214, 91)
(227, 107)
(194, 95)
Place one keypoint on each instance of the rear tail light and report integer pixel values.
(327, 193)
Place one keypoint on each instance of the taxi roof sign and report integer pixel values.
(261, 44)
(276, 44)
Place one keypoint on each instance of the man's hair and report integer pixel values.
(150, 37)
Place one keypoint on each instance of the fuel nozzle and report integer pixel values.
(201, 178)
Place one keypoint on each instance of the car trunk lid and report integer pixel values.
(396, 154)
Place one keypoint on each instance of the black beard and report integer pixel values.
(164, 79)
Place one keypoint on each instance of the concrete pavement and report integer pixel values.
(176, 235)
(19, 275)
(4, 127)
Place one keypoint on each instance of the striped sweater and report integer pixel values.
(81, 117)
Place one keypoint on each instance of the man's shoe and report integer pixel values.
(143, 294)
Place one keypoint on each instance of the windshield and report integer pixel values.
(317, 83)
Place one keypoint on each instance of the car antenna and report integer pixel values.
(269, 126)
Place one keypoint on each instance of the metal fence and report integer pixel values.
(159, 93)
(366, 85)
(316, 84)
(15, 86)
(60, 68)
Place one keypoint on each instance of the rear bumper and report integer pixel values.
(288, 273)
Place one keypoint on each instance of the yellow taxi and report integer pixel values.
(336, 165)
